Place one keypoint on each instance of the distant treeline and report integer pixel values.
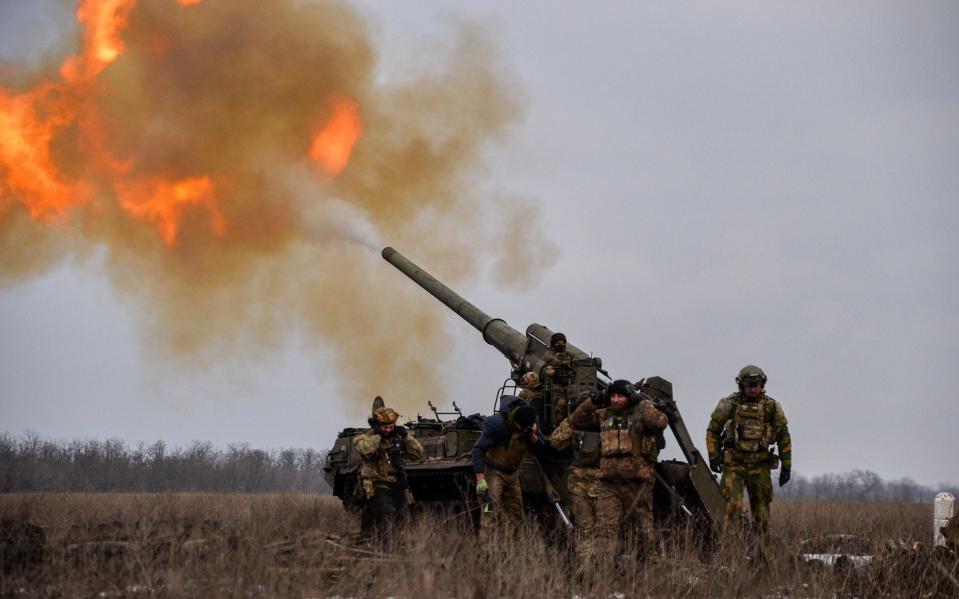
(29, 464)
(860, 485)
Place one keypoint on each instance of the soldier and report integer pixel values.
(383, 450)
(556, 376)
(629, 429)
(741, 430)
(531, 391)
(582, 482)
(507, 437)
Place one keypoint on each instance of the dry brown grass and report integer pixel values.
(277, 546)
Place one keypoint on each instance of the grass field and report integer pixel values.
(212, 545)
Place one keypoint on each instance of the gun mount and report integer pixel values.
(530, 352)
(444, 477)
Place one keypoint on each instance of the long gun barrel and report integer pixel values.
(529, 353)
(510, 342)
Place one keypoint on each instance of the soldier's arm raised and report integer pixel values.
(562, 437)
(412, 448)
(651, 418)
(367, 445)
(584, 416)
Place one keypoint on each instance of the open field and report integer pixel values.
(301, 545)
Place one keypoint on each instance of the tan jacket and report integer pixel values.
(374, 452)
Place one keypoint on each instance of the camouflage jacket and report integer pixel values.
(374, 452)
(585, 445)
(726, 428)
(637, 442)
(561, 364)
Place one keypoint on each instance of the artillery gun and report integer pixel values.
(444, 476)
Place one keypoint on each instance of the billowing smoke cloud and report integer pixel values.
(238, 160)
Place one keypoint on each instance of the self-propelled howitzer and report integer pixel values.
(688, 485)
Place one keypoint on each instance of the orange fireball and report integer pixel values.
(334, 143)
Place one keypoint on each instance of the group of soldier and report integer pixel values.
(615, 437)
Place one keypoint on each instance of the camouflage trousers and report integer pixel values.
(756, 480)
(503, 502)
(583, 484)
(560, 404)
(624, 508)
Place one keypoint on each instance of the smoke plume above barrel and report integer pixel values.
(235, 160)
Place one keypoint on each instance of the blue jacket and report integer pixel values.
(497, 433)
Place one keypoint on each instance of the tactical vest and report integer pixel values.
(586, 449)
(619, 437)
(508, 458)
(749, 432)
(562, 363)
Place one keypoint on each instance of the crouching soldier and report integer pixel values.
(629, 429)
(507, 437)
(384, 450)
(582, 482)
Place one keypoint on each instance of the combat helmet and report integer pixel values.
(530, 379)
(751, 374)
(384, 416)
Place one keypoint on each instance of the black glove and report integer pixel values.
(716, 464)
(401, 432)
(784, 475)
(601, 400)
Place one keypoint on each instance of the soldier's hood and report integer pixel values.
(508, 402)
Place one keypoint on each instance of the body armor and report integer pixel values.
(586, 449)
(749, 433)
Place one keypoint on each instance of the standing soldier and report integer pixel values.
(582, 482)
(629, 430)
(531, 391)
(507, 437)
(556, 375)
(383, 450)
(739, 437)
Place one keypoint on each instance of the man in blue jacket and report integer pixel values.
(507, 436)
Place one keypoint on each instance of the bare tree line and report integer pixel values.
(31, 464)
(863, 485)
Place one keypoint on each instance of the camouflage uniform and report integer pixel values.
(386, 501)
(743, 431)
(629, 449)
(532, 393)
(556, 377)
(582, 482)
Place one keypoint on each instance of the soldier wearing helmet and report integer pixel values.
(556, 376)
(531, 391)
(383, 451)
(742, 431)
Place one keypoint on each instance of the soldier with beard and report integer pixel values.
(629, 428)
(741, 431)
(383, 450)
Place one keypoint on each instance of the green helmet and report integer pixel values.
(751, 374)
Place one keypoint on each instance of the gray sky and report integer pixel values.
(730, 183)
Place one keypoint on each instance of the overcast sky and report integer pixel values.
(728, 183)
